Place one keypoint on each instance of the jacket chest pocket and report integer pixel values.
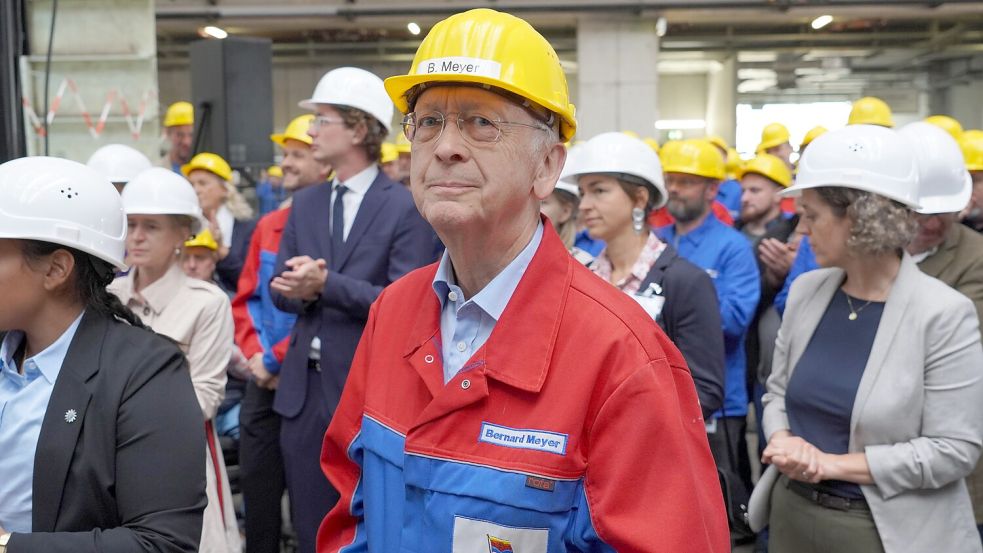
(482, 508)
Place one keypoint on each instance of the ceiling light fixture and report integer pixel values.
(215, 32)
(821, 21)
(413, 28)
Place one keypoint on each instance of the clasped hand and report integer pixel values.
(303, 280)
(796, 458)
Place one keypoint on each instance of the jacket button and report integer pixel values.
(428, 359)
(465, 384)
(146, 311)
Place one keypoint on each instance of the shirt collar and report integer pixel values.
(495, 296)
(48, 361)
(360, 182)
(696, 235)
(160, 292)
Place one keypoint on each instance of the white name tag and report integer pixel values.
(540, 440)
(460, 65)
(651, 304)
(471, 535)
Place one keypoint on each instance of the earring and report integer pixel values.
(177, 252)
(638, 220)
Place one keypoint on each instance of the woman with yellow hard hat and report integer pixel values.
(230, 219)
(162, 211)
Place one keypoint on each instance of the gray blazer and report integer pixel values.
(918, 414)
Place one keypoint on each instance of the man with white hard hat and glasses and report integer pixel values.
(506, 399)
(343, 242)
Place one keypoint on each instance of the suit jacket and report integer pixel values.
(917, 414)
(388, 239)
(959, 263)
(227, 270)
(691, 319)
(127, 475)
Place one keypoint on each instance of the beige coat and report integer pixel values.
(197, 315)
(917, 415)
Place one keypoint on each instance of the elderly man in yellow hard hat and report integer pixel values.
(506, 399)
(179, 126)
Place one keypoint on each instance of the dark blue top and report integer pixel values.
(820, 395)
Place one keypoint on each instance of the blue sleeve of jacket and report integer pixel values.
(412, 247)
(805, 261)
(738, 288)
(288, 249)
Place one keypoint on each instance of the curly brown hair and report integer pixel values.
(880, 225)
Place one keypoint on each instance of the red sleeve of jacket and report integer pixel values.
(248, 288)
(341, 455)
(651, 427)
(280, 348)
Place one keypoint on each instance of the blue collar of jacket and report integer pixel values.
(695, 236)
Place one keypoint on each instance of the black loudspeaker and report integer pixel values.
(232, 91)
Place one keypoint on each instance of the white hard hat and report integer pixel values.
(863, 157)
(562, 183)
(356, 88)
(944, 184)
(119, 162)
(62, 202)
(159, 191)
(618, 153)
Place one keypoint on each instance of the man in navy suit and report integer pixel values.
(343, 243)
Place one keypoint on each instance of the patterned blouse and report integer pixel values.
(650, 253)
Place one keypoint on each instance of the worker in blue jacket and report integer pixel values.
(694, 170)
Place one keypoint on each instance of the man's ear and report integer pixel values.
(548, 172)
(57, 270)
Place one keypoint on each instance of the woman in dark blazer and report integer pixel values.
(100, 429)
(620, 181)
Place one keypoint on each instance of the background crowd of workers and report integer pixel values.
(581, 380)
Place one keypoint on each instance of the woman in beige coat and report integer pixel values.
(873, 411)
(162, 212)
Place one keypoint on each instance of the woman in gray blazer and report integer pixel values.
(873, 411)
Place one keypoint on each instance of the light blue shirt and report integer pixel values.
(23, 402)
(466, 325)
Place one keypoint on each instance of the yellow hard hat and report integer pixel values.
(693, 157)
(632, 134)
(179, 113)
(209, 162)
(652, 143)
(774, 134)
(812, 135)
(771, 167)
(491, 48)
(733, 165)
(274, 171)
(388, 153)
(718, 141)
(971, 143)
(403, 145)
(203, 239)
(870, 111)
(296, 130)
(946, 123)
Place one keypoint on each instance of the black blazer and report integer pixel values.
(128, 474)
(691, 319)
(388, 239)
(228, 269)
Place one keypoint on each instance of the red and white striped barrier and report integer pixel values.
(135, 124)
